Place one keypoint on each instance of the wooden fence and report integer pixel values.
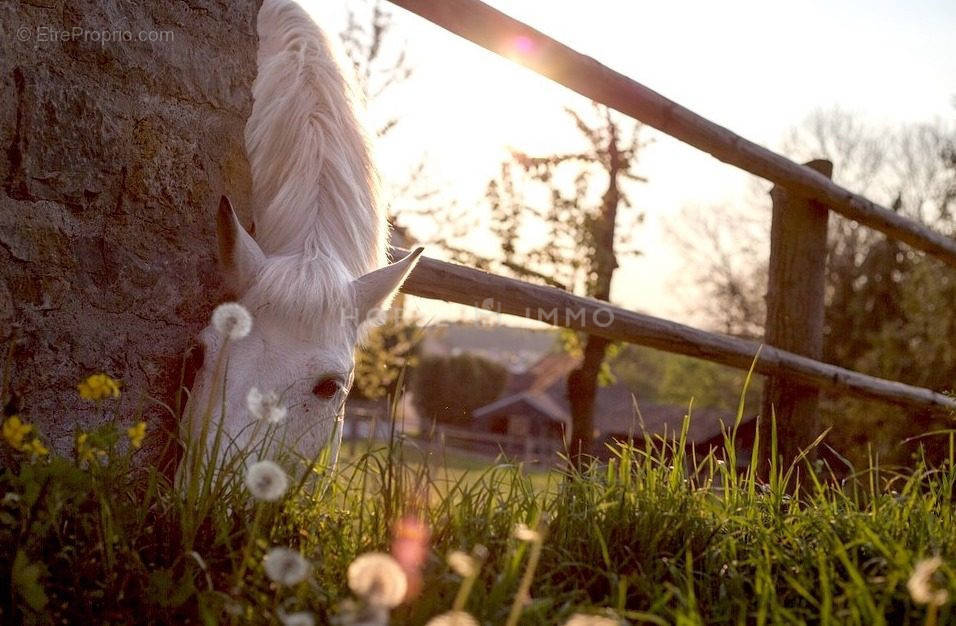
(802, 197)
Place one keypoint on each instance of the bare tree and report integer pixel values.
(379, 61)
(557, 219)
(905, 168)
(381, 65)
(872, 323)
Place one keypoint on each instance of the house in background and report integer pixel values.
(533, 416)
(514, 347)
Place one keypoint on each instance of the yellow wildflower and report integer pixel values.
(85, 451)
(136, 434)
(98, 387)
(14, 430)
(37, 448)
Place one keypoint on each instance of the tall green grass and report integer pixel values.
(648, 536)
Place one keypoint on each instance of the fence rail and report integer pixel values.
(497, 32)
(440, 280)
(802, 197)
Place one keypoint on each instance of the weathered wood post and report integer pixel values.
(795, 307)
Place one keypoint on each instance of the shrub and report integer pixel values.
(449, 389)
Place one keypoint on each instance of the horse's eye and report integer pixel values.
(327, 388)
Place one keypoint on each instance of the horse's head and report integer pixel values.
(308, 314)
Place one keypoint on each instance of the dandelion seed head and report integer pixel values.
(523, 533)
(286, 567)
(453, 618)
(921, 586)
(480, 553)
(378, 579)
(234, 608)
(299, 618)
(266, 481)
(354, 613)
(232, 320)
(463, 564)
(579, 619)
(265, 406)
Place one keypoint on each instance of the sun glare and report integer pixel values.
(523, 45)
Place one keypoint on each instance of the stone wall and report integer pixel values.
(120, 125)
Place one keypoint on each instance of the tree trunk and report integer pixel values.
(582, 391)
(120, 126)
(583, 381)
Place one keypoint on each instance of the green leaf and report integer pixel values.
(26, 581)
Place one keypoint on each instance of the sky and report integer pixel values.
(758, 68)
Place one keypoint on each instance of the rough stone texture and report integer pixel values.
(112, 159)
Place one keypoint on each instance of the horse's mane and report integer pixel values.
(315, 191)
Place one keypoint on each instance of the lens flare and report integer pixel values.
(523, 45)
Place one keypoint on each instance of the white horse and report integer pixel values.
(314, 272)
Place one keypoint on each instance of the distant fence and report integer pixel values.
(371, 424)
(802, 198)
(524, 447)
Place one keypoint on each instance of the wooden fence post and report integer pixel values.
(795, 307)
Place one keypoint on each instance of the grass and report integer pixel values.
(444, 466)
(649, 536)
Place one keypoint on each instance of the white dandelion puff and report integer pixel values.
(233, 608)
(921, 586)
(286, 567)
(463, 564)
(378, 579)
(266, 481)
(232, 320)
(360, 614)
(299, 618)
(579, 619)
(453, 618)
(265, 406)
(523, 533)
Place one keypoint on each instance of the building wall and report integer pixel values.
(120, 125)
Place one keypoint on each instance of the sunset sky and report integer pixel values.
(758, 68)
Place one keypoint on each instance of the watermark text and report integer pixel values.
(103, 37)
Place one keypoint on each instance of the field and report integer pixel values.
(646, 537)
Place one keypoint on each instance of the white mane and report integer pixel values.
(315, 191)
(304, 296)
(316, 263)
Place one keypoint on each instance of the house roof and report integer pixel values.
(549, 370)
(533, 402)
(542, 391)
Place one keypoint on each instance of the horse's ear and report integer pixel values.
(374, 291)
(239, 255)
